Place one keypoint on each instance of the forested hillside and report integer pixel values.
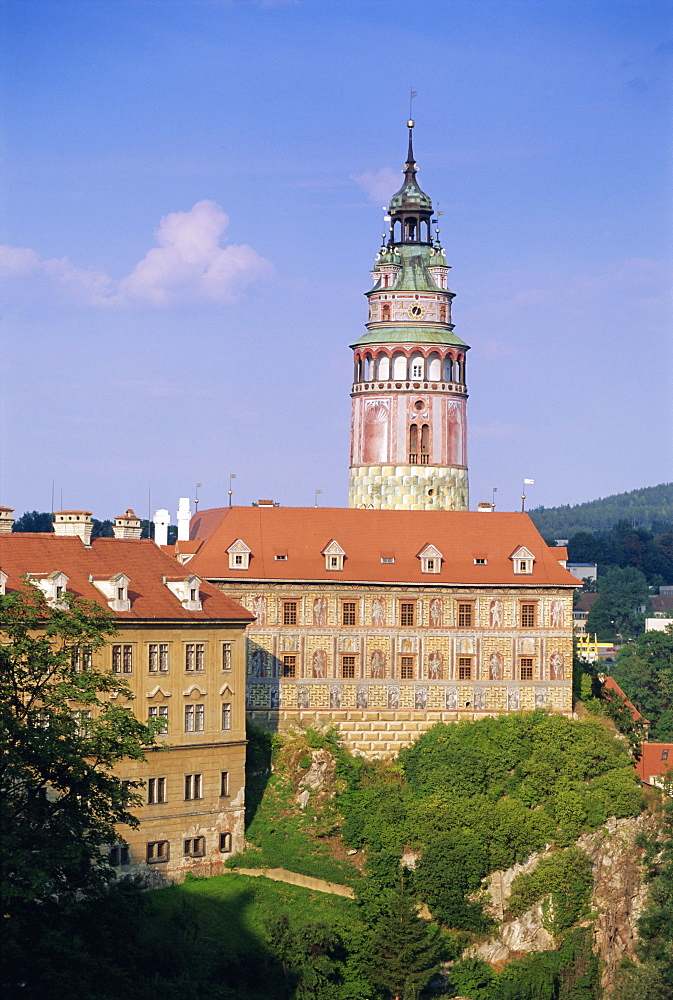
(650, 508)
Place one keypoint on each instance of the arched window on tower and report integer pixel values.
(383, 367)
(434, 368)
(425, 444)
(368, 369)
(413, 444)
(460, 365)
(417, 366)
(399, 366)
(410, 233)
(448, 368)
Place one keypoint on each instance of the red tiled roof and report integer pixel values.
(365, 535)
(656, 760)
(139, 559)
(585, 602)
(610, 684)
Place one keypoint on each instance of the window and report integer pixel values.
(348, 615)
(425, 444)
(226, 656)
(664, 754)
(289, 664)
(407, 614)
(157, 850)
(226, 715)
(195, 653)
(122, 658)
(225, 843)
(157, 654)
(194, 718)
(195, 847)
(280, 558)
(464, 668)
(348, 666)
(479, 562)
(413, 444)
(156, 791)
(527, 616)
(526, 668)
(407, 668)
(289, 612)
(387, 559)
(430, 565)
(193, 786)
(239, 555)
(465, 615)
(160, 712)
(82, 720)
(81, 658)
(119, 855)
(224, 784)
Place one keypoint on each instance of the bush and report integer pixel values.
(565, 876)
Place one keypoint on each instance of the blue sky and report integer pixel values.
(191, 204)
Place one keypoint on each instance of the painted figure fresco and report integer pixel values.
(378, 612)
(275, 697)
(435, 665)
(513, 700)
(335, 697)
(362, 698)
(258, 663)
(480, 699)
(320, 612)
(319, 663)
(436, 612)
(302, 696)
(421, 699)
(259, 609)
(393, 697)
(556, 666)
(540, 697)
(556, 614)
(451, 699)
(496, 667)
(378, 664)
(496, 612)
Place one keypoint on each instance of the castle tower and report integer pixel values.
(409, 425)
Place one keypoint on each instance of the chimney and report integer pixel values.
(486, 507)
(266, 503)
(73, 523)
(161, 522)
(184, 518)
(6, 520)
(127, 525)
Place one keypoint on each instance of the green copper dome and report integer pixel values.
(381, 333)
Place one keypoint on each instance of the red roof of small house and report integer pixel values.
(140, 559)
(367, 536)
(655, 762)
(610, 684)
(585, 602)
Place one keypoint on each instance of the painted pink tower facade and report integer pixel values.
(409, 422)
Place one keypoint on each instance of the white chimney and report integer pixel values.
(127, 525)
(184, 518)
(6, 520)
(161, 522)
(70, 523)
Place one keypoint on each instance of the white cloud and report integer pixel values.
(378, 185)
(189, 264)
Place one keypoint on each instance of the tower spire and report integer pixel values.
(410, 208)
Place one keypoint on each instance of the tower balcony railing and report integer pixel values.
(413, 458)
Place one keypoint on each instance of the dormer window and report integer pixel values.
(480, 562)
(53, 585)
(116, 591)
(522, 560)
(431, 559)
(334, 557)
(239, 555)
(187, 592)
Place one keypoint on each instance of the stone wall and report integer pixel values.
(409, 487)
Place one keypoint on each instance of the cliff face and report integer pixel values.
(617, 901)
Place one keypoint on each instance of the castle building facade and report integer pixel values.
(384, 622)
(409, 420)
(180, 648)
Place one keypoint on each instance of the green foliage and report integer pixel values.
(571, 973)
(34, 520)
(650, 508)
(62, 739)
(451, 868)
(621, 593)
(566, 876)
(644, 671)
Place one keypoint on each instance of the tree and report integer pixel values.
(402, 952)
(621, 593)
(451, 868)
(644, 671)
(63, 732)
(34, 520)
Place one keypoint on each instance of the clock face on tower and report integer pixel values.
(416, 311)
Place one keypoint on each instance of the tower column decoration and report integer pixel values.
(409, 420)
